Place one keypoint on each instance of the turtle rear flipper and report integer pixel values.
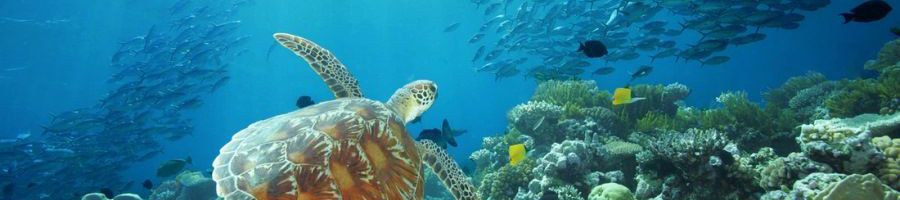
(328, 67)
(447, 170)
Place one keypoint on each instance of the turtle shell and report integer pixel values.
(349, 148)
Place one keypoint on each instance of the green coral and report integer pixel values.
(611, 191)
(573, 111)
(580, 93)
(887, 57)
(505, 182)
(620, 148)
(743, 112)
(654, 121)
(714, 119)
(657, 98)
(778, 98)
(567, 192)
(890, 82)
(858, 97)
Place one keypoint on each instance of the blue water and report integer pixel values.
(385, 44)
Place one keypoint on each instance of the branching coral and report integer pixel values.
(568, 161)
(605, 118)
(857, 97)
(622, 149)
(890, 89)
(690, 150)
(743, 112)
(786, 170)
(658, 98)
(577, 93)
(567, 192)
(505, 182)
(695, 159)
(779, 98)
(652, 122)
(538, 119)
(887, 57)
(807, 102)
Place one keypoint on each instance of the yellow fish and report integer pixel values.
(516, 154)
(623, 96)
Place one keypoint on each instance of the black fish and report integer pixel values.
(304, 101)
(896, 31)
(870, 11)
(441, 137)
(604, 71)
(147, 184)
(642, 72)
(107, 192)
(593, 49)
(30, 185)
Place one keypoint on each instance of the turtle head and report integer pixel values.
(413, 99)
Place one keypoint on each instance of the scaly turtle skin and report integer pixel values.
(347, 148)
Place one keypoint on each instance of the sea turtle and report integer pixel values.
(347, 148)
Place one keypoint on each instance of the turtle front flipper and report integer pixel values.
(332, 71)
(447, 170)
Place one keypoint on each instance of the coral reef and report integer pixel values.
(888, 57)
(610, 191)
(622, 149)
(889, 172)
(567, 192)
(567, 163)
(189, 185)
(820, 186)
(690, 150)
(811, 138)
(813, 184)
(856, 97)
(680, 163)
(786, 170)
(806, 102)
(539, 120)
(858, 187)
(660, 99)
(780, 98)
(584, 94)
(846, 144)
(101, 196)
(505, 182)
